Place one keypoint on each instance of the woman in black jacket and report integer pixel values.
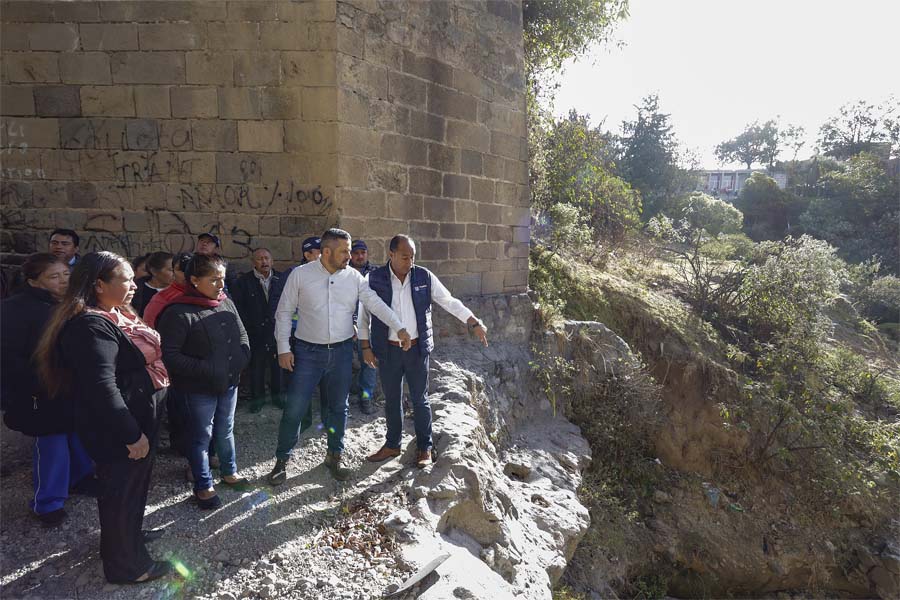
(97, 352)
(205, 348)
(160, 276)
(60, 461)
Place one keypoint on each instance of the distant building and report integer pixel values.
(729, 183)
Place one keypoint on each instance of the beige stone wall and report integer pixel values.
(142, 123)
(432, 134)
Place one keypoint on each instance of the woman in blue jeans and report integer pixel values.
(205, 348)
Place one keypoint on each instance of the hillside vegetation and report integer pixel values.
(758, 449)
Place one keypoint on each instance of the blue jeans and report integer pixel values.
(59, 462)
(210, 416)
(394, 366)
(367, 374)
(315, 364)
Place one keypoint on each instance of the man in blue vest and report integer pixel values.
(409, 290)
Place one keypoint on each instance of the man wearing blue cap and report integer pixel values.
(312, 249)
(359, 260)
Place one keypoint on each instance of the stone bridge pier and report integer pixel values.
(140, 124)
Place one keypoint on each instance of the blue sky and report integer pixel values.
(720, 64)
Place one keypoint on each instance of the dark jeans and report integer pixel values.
(393, 367)
(367, 375)
(263, 362)
(314, 364)
(177, 420)
(211, 416)
(121, 505)
(306, 421)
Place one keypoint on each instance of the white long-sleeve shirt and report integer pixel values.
(402, 304)
(325, 303)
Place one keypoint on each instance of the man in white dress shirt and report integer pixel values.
(325, 294)
(410, 291)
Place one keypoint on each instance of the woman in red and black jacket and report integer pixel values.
(205, 348)
(96, 351)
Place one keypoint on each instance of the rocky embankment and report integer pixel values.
(499, 503)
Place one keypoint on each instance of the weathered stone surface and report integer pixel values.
(239, 105)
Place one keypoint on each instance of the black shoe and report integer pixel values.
(278, 400)
(151, 535)
(279, 473)
(53, 518)
(367, 407)
(88, 486)
(211, 503)
(159, 569)
(255, 407)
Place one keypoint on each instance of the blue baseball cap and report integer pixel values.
(359, 245)
(312, 243)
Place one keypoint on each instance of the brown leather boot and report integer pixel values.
(333, 464)
(423, 458)
(383, 454)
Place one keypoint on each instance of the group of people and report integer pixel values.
(93, 355)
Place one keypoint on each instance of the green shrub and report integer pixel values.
(797, 281)
(728, 246)
(880, 301)
(568, 228)
(715, 216)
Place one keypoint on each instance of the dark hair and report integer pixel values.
(202, 265)
(180, 261)
(158, 261)
(37, 263)
(334, 234)
(81, 294)
(395, 241)
(139, 260)
(68, 232)
(263, 249)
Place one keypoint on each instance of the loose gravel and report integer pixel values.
(312, 537)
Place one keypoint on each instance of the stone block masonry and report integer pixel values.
(142, 123)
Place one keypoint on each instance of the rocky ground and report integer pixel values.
(286, 542)
(499, 504)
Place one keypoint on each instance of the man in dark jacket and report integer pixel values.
(256, 294)
(365, 383)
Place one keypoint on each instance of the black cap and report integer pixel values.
(312, 243)
(214, 238)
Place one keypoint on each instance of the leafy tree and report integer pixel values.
(857, 211)
(713, 215)
(649, 156)
(557, 30)
(746, 147)
(770, 213)
(761, 144)
(862, 127)
(578, 172)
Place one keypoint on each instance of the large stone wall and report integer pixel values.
(142, 123)
(432, 134)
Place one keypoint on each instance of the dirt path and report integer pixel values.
(266, 542)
